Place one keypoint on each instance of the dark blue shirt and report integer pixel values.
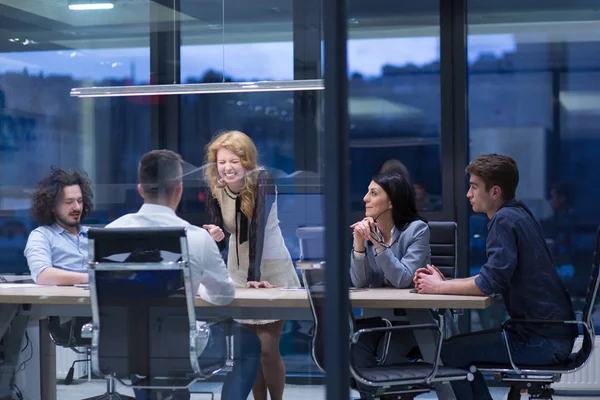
(520, 267)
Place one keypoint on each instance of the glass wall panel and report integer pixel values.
(229, 40)
(394, 104)
(45, 50)
(233, 41)
(533, 90)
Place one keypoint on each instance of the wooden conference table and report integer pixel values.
(18, 304)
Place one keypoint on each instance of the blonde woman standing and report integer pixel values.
(242, 200)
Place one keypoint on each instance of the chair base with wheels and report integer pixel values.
(400, 395)
(536, 391)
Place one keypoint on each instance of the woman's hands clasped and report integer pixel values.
(363, 230)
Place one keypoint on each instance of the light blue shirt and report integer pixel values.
(53, 246)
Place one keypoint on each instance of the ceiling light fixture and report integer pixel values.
(86, 5)
(199, 88)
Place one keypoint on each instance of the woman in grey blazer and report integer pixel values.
(390, 244)
(392, 241)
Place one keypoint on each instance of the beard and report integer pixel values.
(65, 221)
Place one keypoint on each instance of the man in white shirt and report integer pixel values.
(160, 185)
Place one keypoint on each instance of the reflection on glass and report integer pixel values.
(533, 84)
(41, 126)
(134, 44)
(231, 41)
(394, 100)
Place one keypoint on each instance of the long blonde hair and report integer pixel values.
(242, 146)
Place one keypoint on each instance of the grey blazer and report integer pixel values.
(397, 264)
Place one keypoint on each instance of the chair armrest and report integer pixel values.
(227, 324)
(540, 322)
(509, 322)
(437, 328)
(386, 342)
(203, 334)
(354, 336)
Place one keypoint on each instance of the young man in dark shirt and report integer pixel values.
(519, 267)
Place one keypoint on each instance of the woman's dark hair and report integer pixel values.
(404, 209)
(50, 187)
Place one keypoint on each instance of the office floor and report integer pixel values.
(82, 389)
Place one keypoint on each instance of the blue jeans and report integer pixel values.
(238, 383)
(246, 356)
(488, 346)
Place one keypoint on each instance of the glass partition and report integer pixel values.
(395, 104)
(533, 93)
(47, 49)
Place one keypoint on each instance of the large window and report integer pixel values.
(240, 44)
(394, 104)
(533, 95)
(46, 49)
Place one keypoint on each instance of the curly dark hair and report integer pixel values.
(50, 187)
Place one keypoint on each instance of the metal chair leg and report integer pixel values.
(69, 378)
(514, 393)
(111, 393)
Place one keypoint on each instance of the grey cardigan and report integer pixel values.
(396, 265)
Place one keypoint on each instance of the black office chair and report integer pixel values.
(142, 298)
(68, 335)
(405, 380)
(311, 242)
(538, 379)
(444, 255)
(443, 242)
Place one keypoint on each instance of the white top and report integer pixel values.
(276, 265)
(207, 269)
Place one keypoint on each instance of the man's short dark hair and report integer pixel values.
(48, 190)
(159, 173)
(496, 170)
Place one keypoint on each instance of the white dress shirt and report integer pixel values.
(207, 269)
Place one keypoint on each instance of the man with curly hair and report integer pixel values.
(57, 251)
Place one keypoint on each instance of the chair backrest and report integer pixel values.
(68, 334)
(136, 277)
(311, 245)
(443, 244)
(594, 284)
(590, 299)
(311, 242)
(314, 282)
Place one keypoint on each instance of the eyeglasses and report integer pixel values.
(378, 236)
